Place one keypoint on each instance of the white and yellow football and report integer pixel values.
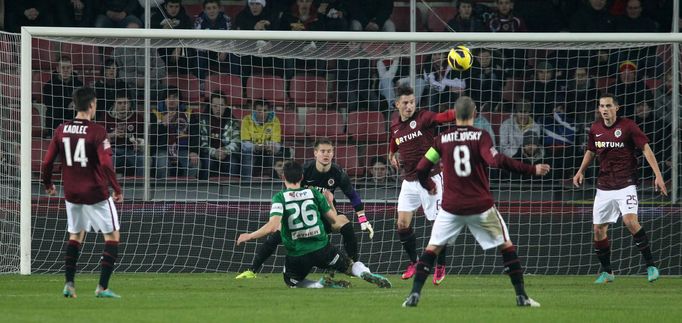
(460, 58)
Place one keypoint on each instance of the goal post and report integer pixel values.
(215, 212)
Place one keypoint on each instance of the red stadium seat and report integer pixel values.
(367, 126)
(229, 85)
(194, 9)
(83, 57)
(38, 80)
(43, 56)
(370, 151)
(401, 19)
(38, 150)
(603, 83)
(308, 91)
(189, 86)
(9, 55)
(238, 113)
(269, 88)
(36, 123)
(10, 86)
(653, 84)
(347, 157)
(324, 124)
(438, 19)
(289, 122)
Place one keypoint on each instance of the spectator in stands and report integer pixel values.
(581, 96)
(628, 88)
(504, 19)
(220, 141)
(278, 167)
(559, 127)
(394, 72)
(481, 122)
(371, 15)
(117, 13)
(380, 172)
(125, 131)
(261, 139)
(75, 13)
(176, 137)
(592, 16)
(132, 71)
(336, 12)
(464, 20)
(513, 129)
(485, 79)
(209, 61)
(57, 94)
(354, 79)
(107, 88)
(664, 98)
(178, 60)
(531, 150)
(255, 16)
(303, 16)
(633, 21)
(443, 85)
(543, 89)
(27, 13)
(657, 130)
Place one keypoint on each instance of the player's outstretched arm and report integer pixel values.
(270, 227)
(579, 175)
(659, 184)
(424, 168)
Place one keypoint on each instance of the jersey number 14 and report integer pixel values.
(78, 155)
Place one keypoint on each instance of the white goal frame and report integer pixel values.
(28, 33)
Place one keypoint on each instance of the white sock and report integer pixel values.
(309, 284)
(359, 268)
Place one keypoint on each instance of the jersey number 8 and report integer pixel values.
(461, 157)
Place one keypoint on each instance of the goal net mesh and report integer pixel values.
(210, 179)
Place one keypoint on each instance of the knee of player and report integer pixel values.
(630, 220)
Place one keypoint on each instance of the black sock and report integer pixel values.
(107, 262)
(424, 266)
(73, 248)
(409, 241)
(265, 250)
(441, 256)
(350, 243)
(642, 242)
(603, 251)
(513, 268)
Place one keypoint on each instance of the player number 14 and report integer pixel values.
(78, 154)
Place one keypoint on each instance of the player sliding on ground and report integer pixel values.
(466, 154)
(297, 212)
(323, 175)
(87, 173)
(412, 133)
(614, 140)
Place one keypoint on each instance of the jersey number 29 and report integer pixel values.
(78, 154)
(461, 157)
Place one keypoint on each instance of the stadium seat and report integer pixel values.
(229, 85)
(328, 124)
(496, 119)
(512, 90)
(9, 55)
(36, 123)
(401, 19)
(10, 86)
(367, 126)
(372, 150)
(308, 90)
(270, 88)
(347, 157)
(38, 150)
(189, 86)
(194, 9)
(290, 131)
(83, 57)
(438, 19)
(652, 84)
(37, 81)
(42, 55)
(603, 83)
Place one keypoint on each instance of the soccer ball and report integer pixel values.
(460, 59)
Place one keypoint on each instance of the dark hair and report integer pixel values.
(322, 141)
(378, 159)
(261, 102)
(403, 90)
(122, 94)
(227, 115)
(110, 61)
(293, 171)
(464, 108)
(64, 58)
(173, 1)
(523, 106)
(611, 96)
(210, 1)
(82, 97)
(173, 91)
(460, 2)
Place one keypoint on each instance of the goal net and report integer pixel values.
(194, 180)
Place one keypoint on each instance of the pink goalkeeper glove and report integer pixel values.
(365, 225)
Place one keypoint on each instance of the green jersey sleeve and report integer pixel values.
(277, 207)
(321, 202)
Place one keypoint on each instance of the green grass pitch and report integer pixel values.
(221, 298)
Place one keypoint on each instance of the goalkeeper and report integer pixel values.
(299, 211)
(323, 175)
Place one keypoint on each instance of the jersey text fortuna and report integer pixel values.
(408, 136)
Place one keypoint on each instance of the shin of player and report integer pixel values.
(466, 153)
(86, 154)
(615, 140)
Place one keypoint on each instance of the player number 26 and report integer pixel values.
(461, 157)
(309, 215)
(78, 155)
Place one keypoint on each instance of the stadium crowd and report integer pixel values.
(208, 121)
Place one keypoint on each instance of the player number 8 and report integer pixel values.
(462, 164)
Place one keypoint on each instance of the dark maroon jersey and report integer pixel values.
(412, 138)
(87, 169)
(466, 153)
(615, 148)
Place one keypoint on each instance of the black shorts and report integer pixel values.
(296, 268)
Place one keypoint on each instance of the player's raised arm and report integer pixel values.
(445, 116)
(659, 184)
(495, 159)
(424, 168)
(48, 165)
